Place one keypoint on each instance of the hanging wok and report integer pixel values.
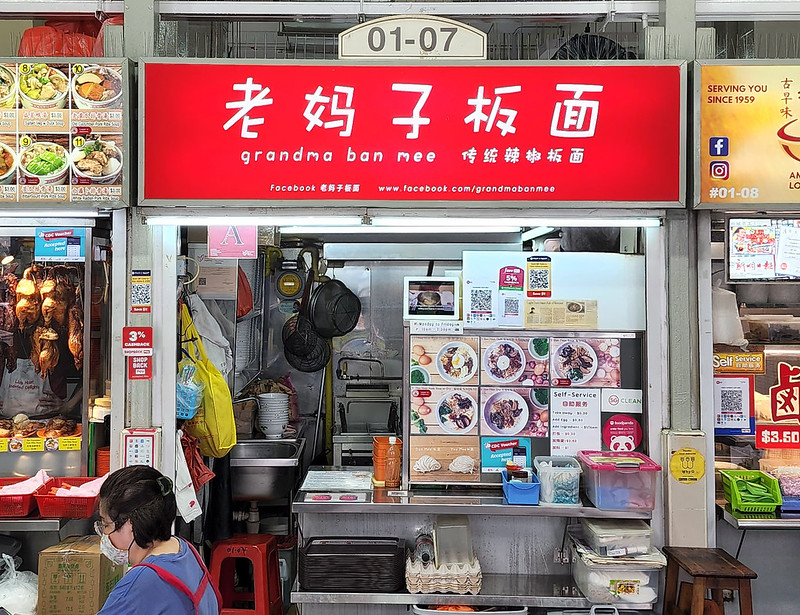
(333, 309)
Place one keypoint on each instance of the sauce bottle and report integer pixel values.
(393, 458)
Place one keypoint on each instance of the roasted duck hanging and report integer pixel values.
(75, 328)
(44, 350)
(29, 301)
(57, 293)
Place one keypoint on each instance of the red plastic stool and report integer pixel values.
(262, 552)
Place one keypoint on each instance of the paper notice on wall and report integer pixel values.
(549, 314)
(574, 421)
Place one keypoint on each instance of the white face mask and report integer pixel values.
(118, 557)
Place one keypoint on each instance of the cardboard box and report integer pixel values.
(75, 578)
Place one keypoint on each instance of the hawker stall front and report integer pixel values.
(458, 267)
(747, 168)
(63, 194)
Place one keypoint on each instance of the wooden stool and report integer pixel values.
(711, 569)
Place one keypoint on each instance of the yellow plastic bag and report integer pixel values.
(214, 425)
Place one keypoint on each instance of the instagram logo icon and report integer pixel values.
(720, 169)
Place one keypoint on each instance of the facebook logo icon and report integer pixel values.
(718, 146)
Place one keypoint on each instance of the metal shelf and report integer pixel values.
(27, 9)
(32, 525)
(506, 589)
(760, 524)
(479, 502)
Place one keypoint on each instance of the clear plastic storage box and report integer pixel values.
(618, 584)
(617, 537)
(560, 479)
(619, 480)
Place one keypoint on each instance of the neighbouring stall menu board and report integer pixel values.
(61, 131)
(479, 401)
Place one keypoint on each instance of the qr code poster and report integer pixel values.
(733, 405)
(539, 279)
(141, 292)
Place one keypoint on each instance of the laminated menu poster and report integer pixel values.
(574, 421)
(585, 362)
(444, 360)
(438, 459)
(444, 410)
(61, 131)
(515, 361)
(511, 412)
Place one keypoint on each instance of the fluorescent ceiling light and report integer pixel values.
(376, 229)
(49, 213)
(200, 220)
(487, 223)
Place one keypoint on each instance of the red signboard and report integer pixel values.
(137, 341)
(140, 368)
(231, 132)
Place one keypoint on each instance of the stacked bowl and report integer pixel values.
(273, 414)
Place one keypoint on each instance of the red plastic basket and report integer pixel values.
(57, 506)
(19, 505)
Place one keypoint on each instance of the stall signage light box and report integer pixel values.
(749, 134)
(486, 132)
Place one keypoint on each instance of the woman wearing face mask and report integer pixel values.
(167, 576)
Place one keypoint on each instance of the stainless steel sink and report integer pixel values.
(265, 470)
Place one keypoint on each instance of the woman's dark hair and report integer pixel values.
(143, 496)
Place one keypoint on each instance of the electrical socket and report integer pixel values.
(557, 556)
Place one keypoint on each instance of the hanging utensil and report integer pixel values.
(334, 309)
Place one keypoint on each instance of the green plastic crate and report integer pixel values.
(733, 496)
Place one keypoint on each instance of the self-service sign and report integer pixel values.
(412, 132)
(137, 341)
(140, 368)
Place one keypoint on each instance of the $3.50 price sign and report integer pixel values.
(137, 341)
(778, 436)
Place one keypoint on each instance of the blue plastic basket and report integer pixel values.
(521, 493)
(188, 400)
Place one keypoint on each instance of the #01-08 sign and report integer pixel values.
(467, 133)
(749, 134)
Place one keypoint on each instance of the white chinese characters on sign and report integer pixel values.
(579, 117)
(316, 107)
(478, 116)
(246, 106)
(416, 120)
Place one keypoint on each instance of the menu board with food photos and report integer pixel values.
(477, 401)
(21, 434)
(62, 124)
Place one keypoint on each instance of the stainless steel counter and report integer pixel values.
(549, 591)
(451, 501)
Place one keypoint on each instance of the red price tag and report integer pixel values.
(140, 368)
(137, 341)
(777, 436)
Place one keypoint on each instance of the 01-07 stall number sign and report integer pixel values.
(415, 132)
